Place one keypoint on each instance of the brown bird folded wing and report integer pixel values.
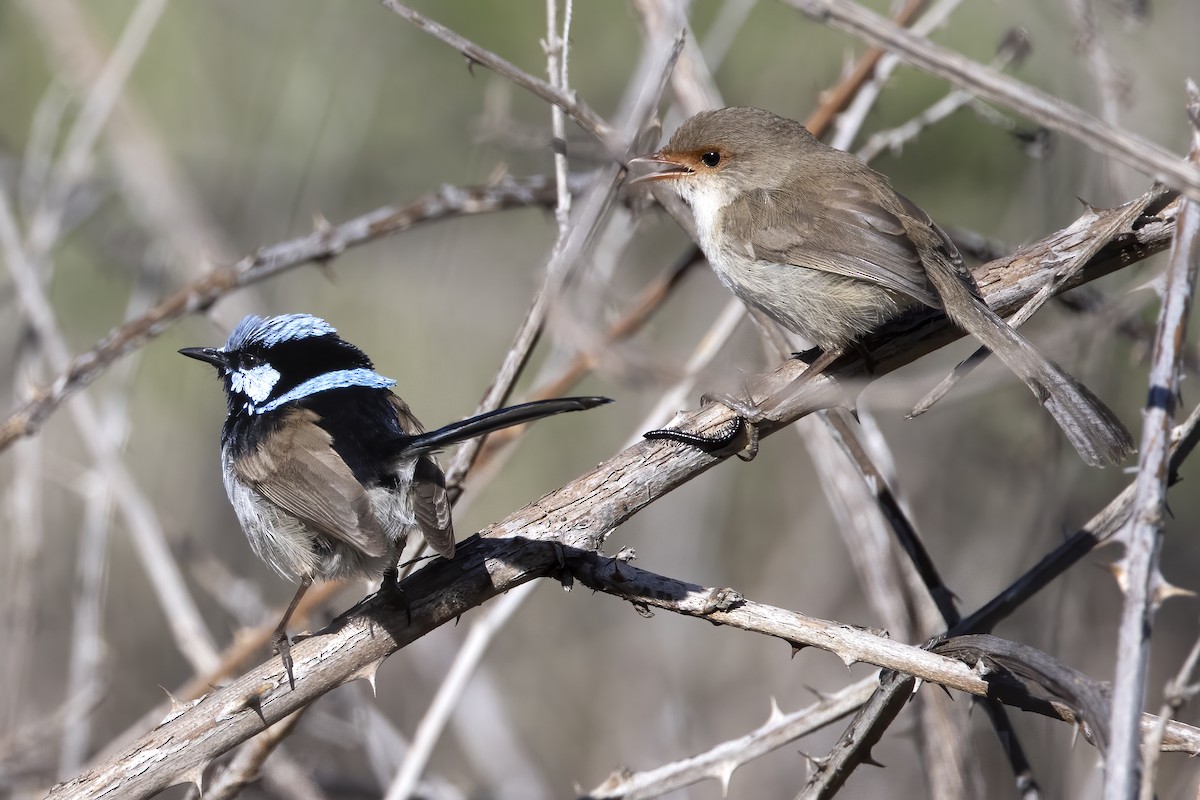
(298, 470)
(888, 258)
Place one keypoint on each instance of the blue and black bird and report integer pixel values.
(328, 471)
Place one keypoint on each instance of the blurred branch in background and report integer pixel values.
(1134, 150)
(318, 247)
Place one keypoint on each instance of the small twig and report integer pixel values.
(1013, 49)
(102, 97)
(1176, 694)
(1099, 57)
(1039, 673)
(692, 82)
(557, 60)
(575, 108)
(1138, 152)
(1112, 89)
(850, 122)
(86, 681)
(865, 730)
(18, 614)
(723, 29)
(850, 88)
(719, 763)
(466, 662)
(1139, 575)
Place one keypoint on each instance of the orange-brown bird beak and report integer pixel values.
(665, 165)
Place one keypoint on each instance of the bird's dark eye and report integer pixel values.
(711, 158)
(250, 361)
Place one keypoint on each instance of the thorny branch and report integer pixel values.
(318, 247)
(540, 540)
(576, 517)
(1138, 573)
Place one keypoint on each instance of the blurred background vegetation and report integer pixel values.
(271, 113)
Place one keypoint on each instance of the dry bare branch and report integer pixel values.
(317, 247)
(720, 762)
(1138, 573)
(575, 108)
(1136, 151)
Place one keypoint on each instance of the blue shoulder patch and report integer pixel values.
(338, 379)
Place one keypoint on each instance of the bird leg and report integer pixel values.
(391, 585)
(279, 639)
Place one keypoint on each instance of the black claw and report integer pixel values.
(808, 356)
(283, 646)
(391, 585)
(709, 444)
(869, 362)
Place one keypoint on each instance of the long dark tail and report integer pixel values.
(496, 420)
(1091, 427)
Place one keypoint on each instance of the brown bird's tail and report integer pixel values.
(1092, 428)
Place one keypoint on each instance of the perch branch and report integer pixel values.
(1138, 573)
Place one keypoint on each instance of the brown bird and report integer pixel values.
(822, 244)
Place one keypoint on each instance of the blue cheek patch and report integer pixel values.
(338, 379)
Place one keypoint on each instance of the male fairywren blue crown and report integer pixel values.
(328, 471)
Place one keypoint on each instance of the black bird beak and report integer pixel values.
(209, 355)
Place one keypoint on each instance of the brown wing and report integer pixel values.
(847, 231)
(431, 506)
(298, 470)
